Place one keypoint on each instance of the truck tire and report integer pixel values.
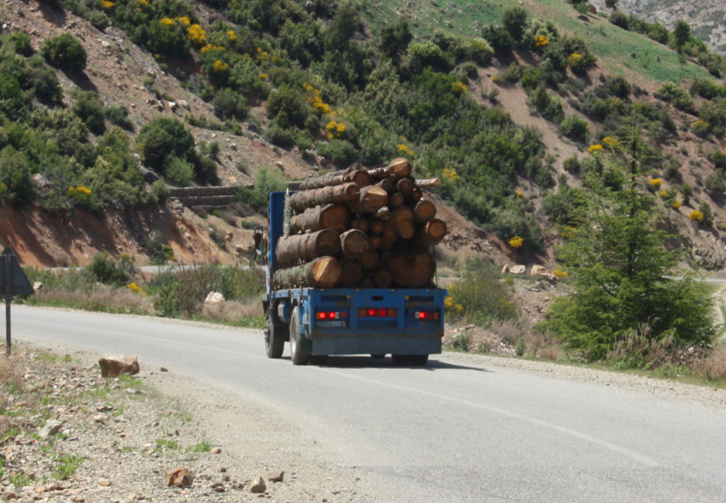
(274, 344)
(296, 352)
(419, 360)
(319, 360)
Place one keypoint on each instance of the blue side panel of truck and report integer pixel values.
(338, 321)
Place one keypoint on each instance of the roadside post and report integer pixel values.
(13, 281)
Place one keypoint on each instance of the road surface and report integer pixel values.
(458, 430)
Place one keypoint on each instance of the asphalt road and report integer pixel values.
(449, 432)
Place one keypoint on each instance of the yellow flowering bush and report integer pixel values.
(184, 20)
(231, 35)
(519, 193)
(405, 150)
(459, 87)
(560, 273)
(541, 41)
(516, 242)
(263, 76)
(106, 4)
(695, 215)
(675, 204)
(449, 174)
(196, 34)
(611, 141)
(262, 55)
(335, 129)
(220, 66)
(574, 60)
(655, 183)
(136, 289)
(143, 3)
(82, 195)
(315, 99)
(663, 193)
(211, 47)
(594, 148)
(166, 21)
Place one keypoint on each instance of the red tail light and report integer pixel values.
(379, 312)
(427, 315)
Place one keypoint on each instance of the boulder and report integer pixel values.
(50, 428)
(539, 270)
(214, 298)
(518, 269)
(115, 365)
(258, 485)
(180, 477)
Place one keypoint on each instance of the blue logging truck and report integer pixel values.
(350, 268)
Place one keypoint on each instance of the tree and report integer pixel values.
(64, 52)
(515, 21)
(395, 38)
(611, 4)
(625, 279)
(681, 33)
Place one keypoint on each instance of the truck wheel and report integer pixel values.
(400, 360)
(273, 343)
(296, 353)
(419, 360)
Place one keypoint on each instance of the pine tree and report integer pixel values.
(626, 281)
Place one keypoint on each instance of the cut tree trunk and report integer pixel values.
(329, 216)
(424, 211)
(345, 193)
(402, 219)
(323, 272)
(382, 278)
(354, 243)
(369, 261)
(427, 183)
(305, 247)
(405, 186)
(360, 177)
(369, 200)
(376, 226)
(430, 233)
(360, 223)
(412, 268)
(396, 199)
(397, 169)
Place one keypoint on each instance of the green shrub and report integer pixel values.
(340, 152)
(90, 110)
(267, 180)
(119, 116)
(229, 104)
(104, 269)
(676, 95)
(162, 139)
(546, 104)
(179, 172)
(572, 165)
(21, 41)
(64, 52)
(575, 129)
(619, 18)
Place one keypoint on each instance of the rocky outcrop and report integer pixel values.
(115, 365)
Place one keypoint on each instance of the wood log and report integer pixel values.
(383, 213)
(405, 186)
(389, 235)
(415, 195)
(324, 195)
(305, 247)
(287, 216)
(323, 272)
(367, 282)
(369, 200)
(430, 233)
(354, 243)
(424, 211)
(412, 268)
(397, 168)
(396, 199)
(386, 184)
(369, 261)
(402, 219)
(382, 278)
(361, 224)
(376, 226)
(427, 183)
(360, 177)
(375, 242)
(351, 275)
(328, 216)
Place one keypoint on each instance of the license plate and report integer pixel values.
(330, 324)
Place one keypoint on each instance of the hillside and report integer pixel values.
(480, 104)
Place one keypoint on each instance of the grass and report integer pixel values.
(612, 45)
(201, 447)
(66, 466)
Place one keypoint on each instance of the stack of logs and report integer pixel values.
(368, 228)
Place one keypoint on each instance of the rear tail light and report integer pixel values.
(377, 312)
(427, 315)
(330, 315)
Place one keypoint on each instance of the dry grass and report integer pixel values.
(544, 346)
(713, 365)
(234, 312)
(103, 298)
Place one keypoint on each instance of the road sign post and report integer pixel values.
(13, 281)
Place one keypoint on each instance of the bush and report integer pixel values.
(547, 105)
(340, 152)
(21, 41)
(119, 116)
(105, 270)
(64, 52)
(572, 165)
(675, 95)
(162, 139)
(229, 104)
(266, 180)
(179, 172)
(575, 129)
(619, 18)
(89, 109)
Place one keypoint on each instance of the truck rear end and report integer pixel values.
(407, 323)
